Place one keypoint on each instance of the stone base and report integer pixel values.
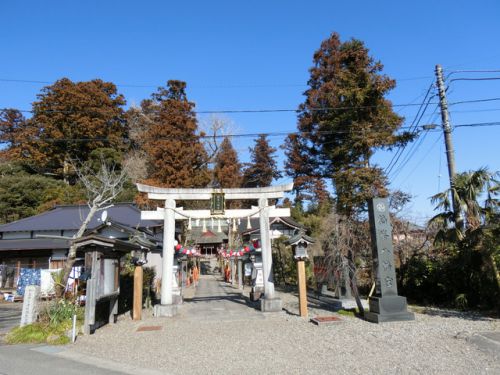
(324, 289)
(177, 299)
(271, 305)
(388, 309)
(255, 296)
(165, 310)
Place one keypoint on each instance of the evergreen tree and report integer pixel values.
(345, 117)
(172, 144)
(227, 169)
(307, 183)
(13, 133)
(23, 194)
(67, 117)
(262, 169)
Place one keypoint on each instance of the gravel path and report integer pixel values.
(217, 333)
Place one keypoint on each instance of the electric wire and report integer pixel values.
(413, 151)
(240, 135)
(423, 158)
(198, 86)
(400, 149)
(276, 110)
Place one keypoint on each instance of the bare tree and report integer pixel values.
(135, 164)
(343, 241)
(102, 187)
(215, 129)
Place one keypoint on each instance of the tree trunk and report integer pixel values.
(70, 260)
(494, 269)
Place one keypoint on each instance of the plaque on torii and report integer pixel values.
(217, 197)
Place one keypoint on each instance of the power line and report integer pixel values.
(475, 79)
(400, 150)
(477, 110)
(240, 135)
(214, 86)
(423, 158)
(413, 150)
(473, 101)
(319, 109)
(478, 124)
(471, 71)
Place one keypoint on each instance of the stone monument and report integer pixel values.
(385, 305)
(30, 305)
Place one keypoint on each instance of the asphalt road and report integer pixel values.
(55, 360)
(10, 316)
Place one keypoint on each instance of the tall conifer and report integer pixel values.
(172, 144)
(262, 169)
(227, 169)
(345, 118)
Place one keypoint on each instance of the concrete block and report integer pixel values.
(165, 310)
(271, 305)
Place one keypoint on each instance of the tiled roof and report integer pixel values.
(71, 217)
(34, 244)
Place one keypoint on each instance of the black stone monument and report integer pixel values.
(385, 305)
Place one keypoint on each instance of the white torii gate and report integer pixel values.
(170, 213)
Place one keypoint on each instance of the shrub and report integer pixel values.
(60, 311)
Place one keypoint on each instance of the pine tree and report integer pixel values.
(227, 169)
(172, 145)
(345, 118)
(262, 169)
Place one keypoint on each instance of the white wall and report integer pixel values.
(16, 235)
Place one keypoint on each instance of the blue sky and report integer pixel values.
(256, 55)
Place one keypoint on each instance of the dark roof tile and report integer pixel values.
(71, 217)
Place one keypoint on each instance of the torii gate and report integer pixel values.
(170, 213)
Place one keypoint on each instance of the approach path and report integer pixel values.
(216, 300)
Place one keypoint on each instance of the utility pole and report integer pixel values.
(450, 154)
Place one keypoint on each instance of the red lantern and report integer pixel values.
(247, 249)
(178, 247)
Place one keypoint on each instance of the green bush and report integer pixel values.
(457, 280)
(60, 311)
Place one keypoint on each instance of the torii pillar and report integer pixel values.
(269, 302)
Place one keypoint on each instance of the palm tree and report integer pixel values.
(479, 221)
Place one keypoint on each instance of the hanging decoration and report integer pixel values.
(186, 251)
(249, 225)
(219, 229)
(189, 224)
